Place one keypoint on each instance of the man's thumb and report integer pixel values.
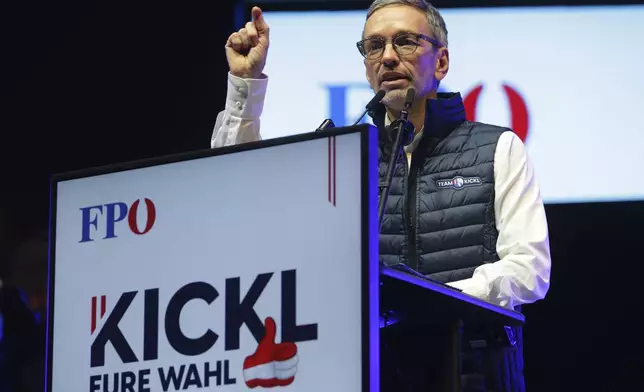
(269, 331)
(258, 18)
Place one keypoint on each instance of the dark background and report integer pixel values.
(88, 83)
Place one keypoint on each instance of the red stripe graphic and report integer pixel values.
(329, 169)
(93, 314)
(334, 188)
(332, 170)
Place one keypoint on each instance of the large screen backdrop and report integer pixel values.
(544, 71)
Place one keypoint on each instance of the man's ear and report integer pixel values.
(442, 63)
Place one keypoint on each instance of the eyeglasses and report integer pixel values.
(404, 44)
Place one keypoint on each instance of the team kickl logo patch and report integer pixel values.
(459, 182)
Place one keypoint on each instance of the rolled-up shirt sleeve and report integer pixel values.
(239, 122)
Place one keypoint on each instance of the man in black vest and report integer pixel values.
(464, 207)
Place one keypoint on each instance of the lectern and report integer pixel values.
(409, 299)
(246, 267)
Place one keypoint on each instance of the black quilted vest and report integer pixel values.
(439, 218)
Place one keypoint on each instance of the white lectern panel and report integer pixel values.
(167, 276)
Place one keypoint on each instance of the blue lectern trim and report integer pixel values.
(370, 260)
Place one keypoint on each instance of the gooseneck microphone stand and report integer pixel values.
(369, 108)
(403, 131)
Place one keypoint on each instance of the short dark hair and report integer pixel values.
(434, 18)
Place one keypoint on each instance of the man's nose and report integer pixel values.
(389, 56)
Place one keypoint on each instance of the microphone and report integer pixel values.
(371, 106)
(328, 123)
(404, 134)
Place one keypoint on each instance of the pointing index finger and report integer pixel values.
(258, 20)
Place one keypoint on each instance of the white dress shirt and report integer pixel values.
(522, 275)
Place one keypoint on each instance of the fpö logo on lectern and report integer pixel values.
(190, 364)
(106, 219)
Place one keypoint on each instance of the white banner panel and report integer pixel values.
(168, 276)
(567, 79)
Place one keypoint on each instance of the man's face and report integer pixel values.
(395, 74)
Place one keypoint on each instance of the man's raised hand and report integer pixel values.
(246, 49)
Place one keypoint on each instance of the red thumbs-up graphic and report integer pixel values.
(272, 364)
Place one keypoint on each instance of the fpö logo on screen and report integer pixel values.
(515, 103)
(106, 218)
(271, 364)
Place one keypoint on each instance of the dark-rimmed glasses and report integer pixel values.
(404, 44)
